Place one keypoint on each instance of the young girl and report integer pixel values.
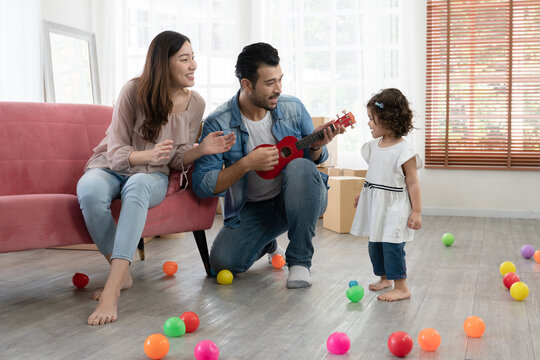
(154, 125)
(388, 208)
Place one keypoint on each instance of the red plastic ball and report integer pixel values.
(509, 279)
(170, 268)
(80, 280)
(400, 343)
(191, 320)
(156, 346)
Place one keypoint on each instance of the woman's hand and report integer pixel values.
(217, 143)
(356, 200)
(160, 152)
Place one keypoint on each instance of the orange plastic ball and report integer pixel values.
(156, 346)
(278, 261)
(170, 268)
(474, 326)
(537, 256)
(429, 339)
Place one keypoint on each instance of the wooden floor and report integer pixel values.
(42, 316)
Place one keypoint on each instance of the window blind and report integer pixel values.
(483, 84)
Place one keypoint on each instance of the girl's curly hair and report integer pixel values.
(392, 110)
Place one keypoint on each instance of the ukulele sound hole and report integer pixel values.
(285, 152)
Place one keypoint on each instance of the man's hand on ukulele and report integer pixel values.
(328, 134)
(263, 158)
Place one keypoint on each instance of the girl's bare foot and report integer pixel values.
(106, 311)
(381, 284)
(394, 295)
(127, 282)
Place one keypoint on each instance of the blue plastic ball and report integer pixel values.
(353, 283)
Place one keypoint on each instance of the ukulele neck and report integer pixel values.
(310, 139)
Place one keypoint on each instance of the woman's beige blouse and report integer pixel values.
(124, 135)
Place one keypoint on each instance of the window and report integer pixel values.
(213, 29)
(334, 54)
(483, 84)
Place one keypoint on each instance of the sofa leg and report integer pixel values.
(200, 238)
(140, 248)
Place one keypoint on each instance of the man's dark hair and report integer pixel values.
(252, 58)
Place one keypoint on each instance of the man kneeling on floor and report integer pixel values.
(257, 210)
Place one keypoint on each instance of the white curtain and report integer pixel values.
(21, 74)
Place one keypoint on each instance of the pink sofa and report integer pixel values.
(43, 150)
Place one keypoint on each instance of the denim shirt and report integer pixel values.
(289, 118)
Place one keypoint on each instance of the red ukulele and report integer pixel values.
(291, 148)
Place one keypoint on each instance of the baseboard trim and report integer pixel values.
(514, 214)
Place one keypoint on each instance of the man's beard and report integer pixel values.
(264, 103)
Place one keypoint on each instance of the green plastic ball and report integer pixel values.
(355, 293)
(447, 239)
(174, 327)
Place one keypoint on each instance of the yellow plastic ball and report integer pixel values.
(519, 291)
(507, 267)
(225, 277)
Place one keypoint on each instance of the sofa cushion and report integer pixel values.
(49, 145)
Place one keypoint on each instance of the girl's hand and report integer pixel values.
(415, 221)
(356, 200)
(160, 152)
(217, 143)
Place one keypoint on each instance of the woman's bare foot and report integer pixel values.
(127, 282)
(106, 311)
(381, 284)
(394, 295)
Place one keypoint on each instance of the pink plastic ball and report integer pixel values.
(338, 343)
(527, 251)
(206, 350)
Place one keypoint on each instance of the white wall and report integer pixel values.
(76, 14)
(481, 193)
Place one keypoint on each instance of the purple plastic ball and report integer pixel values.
(527, 251)
(338, 343)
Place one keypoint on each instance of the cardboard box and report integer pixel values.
(332, 147)
(354, 172)
(219, 207)
(323, 169)
(340, 210)
(335, 172)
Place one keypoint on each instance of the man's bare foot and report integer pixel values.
(106, 311)
(381, 284)
(394, 295)
(128, 281)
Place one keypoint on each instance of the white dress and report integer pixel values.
(384, 206)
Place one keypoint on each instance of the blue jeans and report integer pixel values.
(296, 209)
(388, 259)
(96, 190)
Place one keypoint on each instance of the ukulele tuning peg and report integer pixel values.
(344, 112)
(337, 116)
